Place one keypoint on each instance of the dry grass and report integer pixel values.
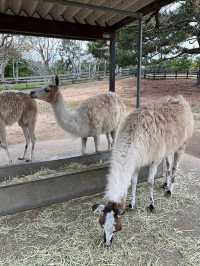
(68, 234)
(49, 173)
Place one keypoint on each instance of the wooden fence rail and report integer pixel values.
(66, 78)
(39, 81)
(157, 75)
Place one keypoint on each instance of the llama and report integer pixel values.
(97, 115)
(18, 107)
(145, 137)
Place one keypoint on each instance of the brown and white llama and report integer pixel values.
(97, 115)
(144, 138)
(18, 107)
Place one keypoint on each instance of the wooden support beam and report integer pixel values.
(139, 63)
(48, 28)
(112, 62)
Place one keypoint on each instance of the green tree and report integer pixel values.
(18, 67)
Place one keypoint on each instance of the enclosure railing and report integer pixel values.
(167, 74)
(38, 81)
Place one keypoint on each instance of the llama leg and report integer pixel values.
(151, 176)
(96, 143)
(164, 172)
(169, 162)
(113, 135)
(108, 140)
(3, 142)
(27, 138)
(177, 158)
(84, 141)
(134, 181)
(31, 130)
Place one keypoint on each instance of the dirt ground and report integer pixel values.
(47, 130)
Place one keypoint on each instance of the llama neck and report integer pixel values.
(65, 117)
(119, 180)
(123, 165)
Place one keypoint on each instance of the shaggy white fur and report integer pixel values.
(145, 138)
(97, 115)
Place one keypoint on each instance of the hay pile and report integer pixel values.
(48, 173)
(68, 234)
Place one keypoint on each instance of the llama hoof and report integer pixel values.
(20, 158)
(164, 185)
(151, 208)
(168, 194)
(27, 160)
(131, 207)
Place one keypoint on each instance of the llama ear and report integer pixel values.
(98, 208)
(56, 80)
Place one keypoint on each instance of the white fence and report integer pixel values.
(65, 78)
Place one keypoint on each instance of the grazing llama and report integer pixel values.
(97, 115)
(145, 137)
(18, 107)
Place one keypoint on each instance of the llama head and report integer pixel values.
(48, 94)
(110, 220)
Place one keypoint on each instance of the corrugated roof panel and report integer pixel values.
(44, 8)
(3, 5)
(83, 14)
(133, 6)
(96, 15)
(70, 12)
(99, 17)
(58, 12)
(29, 6)
(16, 6)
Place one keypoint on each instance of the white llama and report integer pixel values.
(145, 138)
(18, 107)
(97, 115)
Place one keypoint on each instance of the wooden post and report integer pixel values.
(112, 62)
(139, 63)
(145, 74)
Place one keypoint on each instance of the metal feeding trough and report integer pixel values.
(59, 188)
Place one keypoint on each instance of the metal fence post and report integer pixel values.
(139, 63)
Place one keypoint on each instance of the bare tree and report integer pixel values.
(71, 54)
(46, 49)
(7, 50)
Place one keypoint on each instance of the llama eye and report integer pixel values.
(47, 90)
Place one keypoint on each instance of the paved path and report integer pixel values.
(71, 146)
(52, 149)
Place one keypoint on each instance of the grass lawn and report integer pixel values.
(21, 86)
